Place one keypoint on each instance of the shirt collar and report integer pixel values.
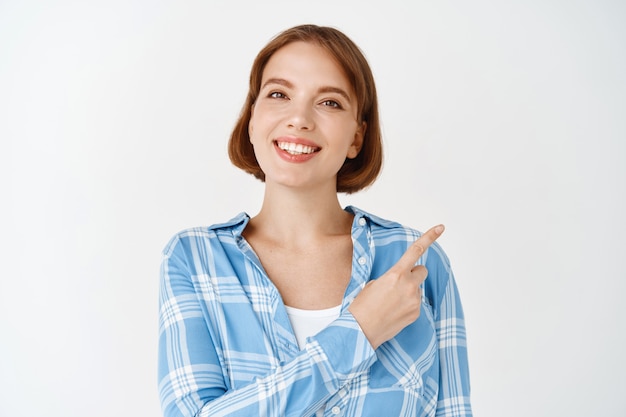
(358, 214)
(238, 223)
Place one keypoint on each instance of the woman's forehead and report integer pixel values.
(306, 62)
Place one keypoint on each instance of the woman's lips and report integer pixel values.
(295, 149)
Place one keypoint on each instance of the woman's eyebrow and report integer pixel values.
(337, 90)
(279, 81)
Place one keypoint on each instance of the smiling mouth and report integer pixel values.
(297, 148)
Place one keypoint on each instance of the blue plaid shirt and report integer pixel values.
(226, 346)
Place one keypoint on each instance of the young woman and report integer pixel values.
(309, 309)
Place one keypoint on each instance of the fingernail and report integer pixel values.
(439, 229)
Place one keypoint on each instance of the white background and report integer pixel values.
(505, 120)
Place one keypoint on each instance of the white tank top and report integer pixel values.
(307, 323)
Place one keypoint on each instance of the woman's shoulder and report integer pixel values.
(384, 230)
(218, 231)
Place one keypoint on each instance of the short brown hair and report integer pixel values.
(355, 174)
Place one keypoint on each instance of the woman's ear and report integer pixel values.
(357, 144)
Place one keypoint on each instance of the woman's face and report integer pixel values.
(304, 122)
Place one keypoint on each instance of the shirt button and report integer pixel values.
(335, 410)
(362, 221)
(362, 260)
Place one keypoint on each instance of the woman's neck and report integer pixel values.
(299, 217)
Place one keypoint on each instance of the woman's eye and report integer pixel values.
(331, 103)
(277, 94)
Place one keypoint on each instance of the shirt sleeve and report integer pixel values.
(454, 384)
(191, 367)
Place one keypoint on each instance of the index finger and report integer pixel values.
(417, 248)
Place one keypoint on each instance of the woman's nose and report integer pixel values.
(300, 117)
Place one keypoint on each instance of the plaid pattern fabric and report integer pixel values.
(226, 347)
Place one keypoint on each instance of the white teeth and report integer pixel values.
(295, 148)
